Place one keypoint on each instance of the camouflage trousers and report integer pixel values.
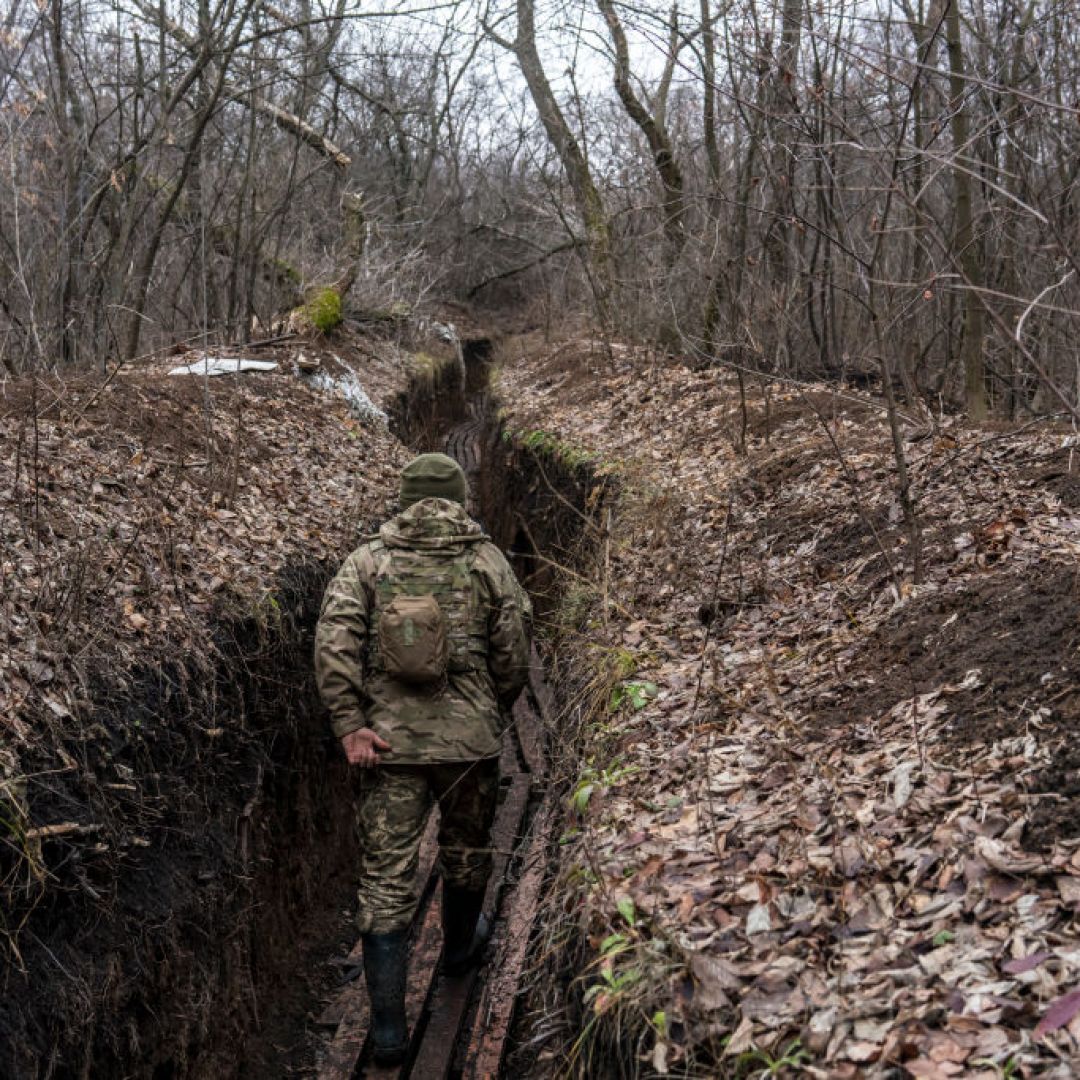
(391, 815)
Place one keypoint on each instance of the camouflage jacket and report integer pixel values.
(462, 721)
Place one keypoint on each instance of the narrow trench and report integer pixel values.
(466, 1028)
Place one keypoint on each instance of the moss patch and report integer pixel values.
(548, 444)
(323, 310)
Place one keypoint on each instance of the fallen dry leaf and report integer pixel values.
(1059, 1014)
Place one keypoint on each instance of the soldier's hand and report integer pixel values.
(361, 747)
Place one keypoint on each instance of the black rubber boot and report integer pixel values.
(465, 930)
(384, 967)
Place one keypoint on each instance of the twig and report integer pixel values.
(1034, 303)
(64, 828)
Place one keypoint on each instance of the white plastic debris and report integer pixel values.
(348, 385)
(223, 365)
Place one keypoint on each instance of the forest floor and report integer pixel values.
(829, 819)
(821, 814)
(138, 509)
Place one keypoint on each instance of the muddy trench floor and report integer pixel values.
(316, 1023)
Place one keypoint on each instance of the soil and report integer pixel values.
(1057, 471)
(177, 938)
(1059, 817)
(1063, 481)
(286, 1039)
(1007, 609)
(1022, 631)
(836, 546)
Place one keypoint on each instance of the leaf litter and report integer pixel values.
(139, 513)
(850, 812)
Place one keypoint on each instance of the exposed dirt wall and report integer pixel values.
(149, 954)
(434, 400)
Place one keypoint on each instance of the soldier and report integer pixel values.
(421, 649)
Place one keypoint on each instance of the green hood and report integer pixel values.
(431, 525)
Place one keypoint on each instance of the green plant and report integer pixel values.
(613, 984)
(660, 1023)
(637, 694)
(619, 983)
(582, 875)
(11, 823)
(761, 1063)
(14, 819)
(1007, 1071)
(582, 793)
(575, 603)
(627, 910)
(592, 778)
(614, 944)
(268, 613)
(427, 363)
(623, 663)
(323, 309)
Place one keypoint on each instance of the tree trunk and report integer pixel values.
(574, 162)
(783, 109)
(965, 252)
(656, 135)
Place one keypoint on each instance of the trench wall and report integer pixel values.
(151, 948)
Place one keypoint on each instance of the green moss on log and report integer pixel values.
(323, 310)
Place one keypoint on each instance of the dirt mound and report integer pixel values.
(1019, 630)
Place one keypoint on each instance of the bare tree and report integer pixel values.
(965, 250)
(173, 172)
(587, 197)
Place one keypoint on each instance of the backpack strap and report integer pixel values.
(474, 645)
(380, 560)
